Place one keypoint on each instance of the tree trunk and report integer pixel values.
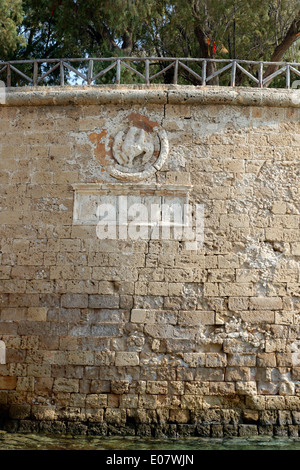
(127, 43)
(207, 52)
(291, 36)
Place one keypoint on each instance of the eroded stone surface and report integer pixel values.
(145, 334)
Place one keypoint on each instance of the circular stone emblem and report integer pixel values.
(138, 154)
(133, 149)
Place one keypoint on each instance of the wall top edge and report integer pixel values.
(149, 94)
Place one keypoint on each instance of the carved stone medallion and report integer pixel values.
(135, 151)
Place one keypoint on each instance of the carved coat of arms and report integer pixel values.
(135, 152)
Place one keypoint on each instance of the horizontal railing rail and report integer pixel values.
(197, 71)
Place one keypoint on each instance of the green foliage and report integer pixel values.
(11, 16)
(177, 28)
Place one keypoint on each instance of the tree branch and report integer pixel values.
(201, 41)
(101, 36)
(127, 44)
(292, 35)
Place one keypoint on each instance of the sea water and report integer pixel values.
(24, 441)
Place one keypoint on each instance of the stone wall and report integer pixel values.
(147, 336)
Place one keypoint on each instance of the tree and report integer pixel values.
(11, 16)
(266, 30)
(289, 34)
(80, 28)
(255, 30)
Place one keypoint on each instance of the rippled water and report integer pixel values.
(10, 441)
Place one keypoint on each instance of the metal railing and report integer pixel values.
(146, 70)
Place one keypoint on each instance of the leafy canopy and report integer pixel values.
(223, 28)
(254, 30)
(11, 16)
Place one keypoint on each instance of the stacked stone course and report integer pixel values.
(145, 337)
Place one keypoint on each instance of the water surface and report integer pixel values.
(15, 441)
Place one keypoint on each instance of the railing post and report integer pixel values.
(118, 78)
(204, 66)
(62, 73)
(147, 73)
(260, 75)
(175, 78)
(233, 73)
(90, 71)
(35, 73)
(288, 76)
(8, 76)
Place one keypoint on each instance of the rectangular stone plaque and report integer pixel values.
(137, 211)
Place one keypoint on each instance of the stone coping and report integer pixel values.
(150, 94)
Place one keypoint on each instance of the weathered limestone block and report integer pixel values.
(196, 317)
(115, 416)
(8, 383)
(157, 387)
(238, 374)
(74, 300)
(258, 316)
(66, 385)
(125, 358)
(94, 415)
(268, 303)
(120, 386)
(216, 360)
(20, 412)
(241, 360)
(246, 388)
(129, 401)
(179, 416)
(42, 412)
(102, 301)
(96, 400)
(197, 388)
(248, 430)
(222, 388)
(287, 388)
(195, 359)
(209, 374)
